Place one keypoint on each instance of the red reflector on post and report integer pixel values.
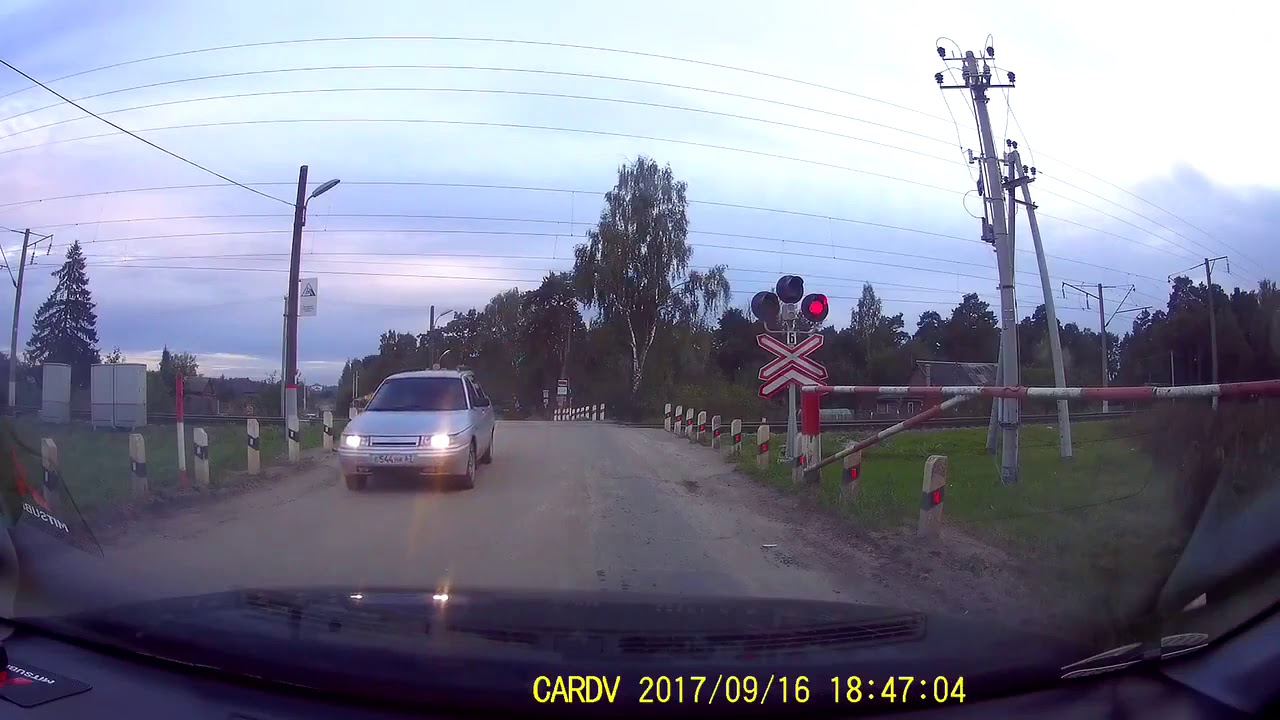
(937, 497)
(764, 447)
(853, 473)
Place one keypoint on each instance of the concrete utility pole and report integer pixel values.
(1018, 177)
(977, 80)
(290, 379)
(1102, 332)
(284, 345)
(17, 305)
(431, 335)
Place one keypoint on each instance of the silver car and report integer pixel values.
(420, 424)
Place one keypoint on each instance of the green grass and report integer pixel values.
(95, 464)
(1097, 528)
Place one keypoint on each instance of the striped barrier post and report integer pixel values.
(809, 445)
(688, 422)
(137, 465)
(762, 445)
(293, 439)
(200, 449)
(700, 427)
(735, 432)
(254, 439)
(352, 412)
(52, 473)
(932, 495)
(715, 432)
(327, 420)
(849, 472)
(600, 412)
(677, 422)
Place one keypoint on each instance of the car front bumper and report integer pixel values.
(419, 461)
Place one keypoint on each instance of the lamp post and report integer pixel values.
(290, 379)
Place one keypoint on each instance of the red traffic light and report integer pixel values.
(815, 307)
(766, 306)
(790, 288)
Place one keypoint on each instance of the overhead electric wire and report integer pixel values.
(130, 133)
(504, 41)
(568, 191)
(510, 41)
(593, 76)
(515, 126)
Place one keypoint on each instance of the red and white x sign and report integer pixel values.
(792, 366)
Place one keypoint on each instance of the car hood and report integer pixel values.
(384, 422)
(489, 647)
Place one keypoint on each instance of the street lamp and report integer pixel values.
(290, 378)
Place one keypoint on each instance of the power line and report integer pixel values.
(192, 163)
(476, 123)
(504, 41)
(558, 73)
(736, 206)
(593, 49)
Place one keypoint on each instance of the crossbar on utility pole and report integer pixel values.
(1104, 321)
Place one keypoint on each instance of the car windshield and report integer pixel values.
(419, 394)
(797, 308)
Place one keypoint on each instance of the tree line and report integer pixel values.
(631, 325)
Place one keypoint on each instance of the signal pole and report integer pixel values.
(17, 304)
(977, 80)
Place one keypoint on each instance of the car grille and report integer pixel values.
(394, 441)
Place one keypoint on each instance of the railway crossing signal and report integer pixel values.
(790, 312)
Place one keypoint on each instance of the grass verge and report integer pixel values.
(95, 463)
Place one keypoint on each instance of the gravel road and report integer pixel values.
(564, 506)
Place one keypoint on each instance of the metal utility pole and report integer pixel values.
(1104, 321)
(1018, 176)
(17, 306)
(1213, 323)
(290, 379)
(977, 80)
(431, 336)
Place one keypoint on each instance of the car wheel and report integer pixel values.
(355, 482)
(488, 453)
(469, 479)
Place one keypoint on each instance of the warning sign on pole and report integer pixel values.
(792, 366)
(307, 296)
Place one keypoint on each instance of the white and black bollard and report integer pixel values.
(715, 432)
(327, 419)
(699, 428)
(52, 470)
(352, 412)
(932, 495)
(735, 437)
(666, 417)
(677, 423)
(850, 474)
(762, 445)
(688, 422)
(253, 436)
(137, 465)
(293, 439)
(200, 449)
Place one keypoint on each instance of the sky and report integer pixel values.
(474, 148)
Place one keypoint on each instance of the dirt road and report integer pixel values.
(563, 506)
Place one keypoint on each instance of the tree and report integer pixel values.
(167, 371)
(186, 365)
(971, 334)
(66, 326)
(552, 322)
(634, 266)
(864, 320)
(115, 358)
(734, 347)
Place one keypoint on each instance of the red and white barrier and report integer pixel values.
(1255, 387)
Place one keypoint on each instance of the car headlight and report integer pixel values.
(439, 441)
(351, 441)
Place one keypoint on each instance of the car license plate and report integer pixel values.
(393, 459)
